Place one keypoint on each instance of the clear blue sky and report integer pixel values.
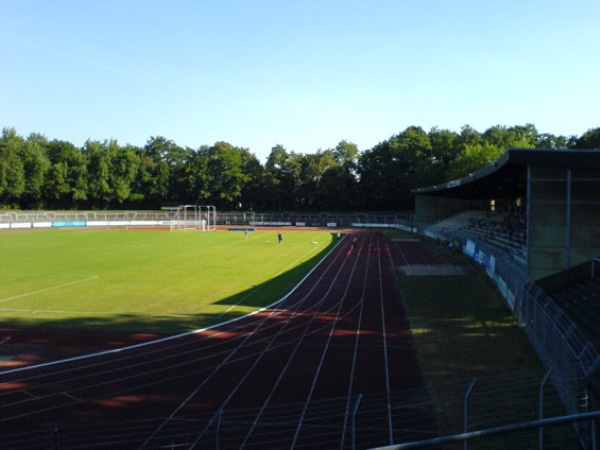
(305, 74)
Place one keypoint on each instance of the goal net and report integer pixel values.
(194, 217)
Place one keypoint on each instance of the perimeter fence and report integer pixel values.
(356, 422)
(36, 219)
(81, 216)
(555, 336)
(314, 219)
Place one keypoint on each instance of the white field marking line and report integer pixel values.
(201, 385)
(95, 313)
(54, 311)
(298, 343)
(283, 371)
(28, 393)
(234, 351)
(256, 289)
(288, 321)
(230, 355)
(72, 397)
(172, 337)
(355, 355)
(402, 253)
(331, 264)
(385, 347)
(274, 337)
(51, 288)
(324, 352)
(275, 311)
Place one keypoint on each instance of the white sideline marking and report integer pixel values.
(171, 337)
(48, 289)
(54, 311)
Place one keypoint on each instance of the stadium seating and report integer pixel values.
(581, 301)
(503, 230)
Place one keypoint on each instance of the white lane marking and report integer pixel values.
(51, 288)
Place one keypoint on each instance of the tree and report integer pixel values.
(445, 148)
(338, 186)
(66, 185)
(548, 140)
(281, 170)
(12, 170)
(100, 190)
(589, 140)
(511, 137)
(474, 158)
(254, 193)
(124, 166)
(161, 161)
(36, 164)
(225, 169)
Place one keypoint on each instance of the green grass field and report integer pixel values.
(145, 280)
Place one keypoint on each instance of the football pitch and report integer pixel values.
(147, 280)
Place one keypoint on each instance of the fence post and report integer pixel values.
(594, 427)
(541, 408)
(354, 412)
(466, 410)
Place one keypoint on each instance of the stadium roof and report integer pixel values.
(507, 176)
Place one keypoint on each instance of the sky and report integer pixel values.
(304, 74)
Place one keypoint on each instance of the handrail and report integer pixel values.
(463, 437)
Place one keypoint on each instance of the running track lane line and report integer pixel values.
(59, 394)
(315, 376)
(385, 349)
(233, 352)
(354, 357)
(173, 337)
(310, 321)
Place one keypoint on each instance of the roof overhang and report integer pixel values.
(507, 176)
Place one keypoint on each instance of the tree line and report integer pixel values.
(38, 173)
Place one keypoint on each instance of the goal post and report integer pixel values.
(208, 217)
(194, 217)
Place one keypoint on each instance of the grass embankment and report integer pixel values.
(144, 280)
(463, 330)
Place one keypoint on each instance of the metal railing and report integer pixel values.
(592, 418)
(554, 335)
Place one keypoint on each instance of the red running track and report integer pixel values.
(330, 365)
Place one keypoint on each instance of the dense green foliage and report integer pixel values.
(36, 173)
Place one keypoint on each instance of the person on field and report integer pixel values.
(279, 238)
(353, 243)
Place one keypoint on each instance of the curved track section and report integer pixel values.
(290, 376)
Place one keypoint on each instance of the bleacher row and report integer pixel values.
(503, 230)
(581, 301)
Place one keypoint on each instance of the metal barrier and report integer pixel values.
(592, 418)
(554, 335)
